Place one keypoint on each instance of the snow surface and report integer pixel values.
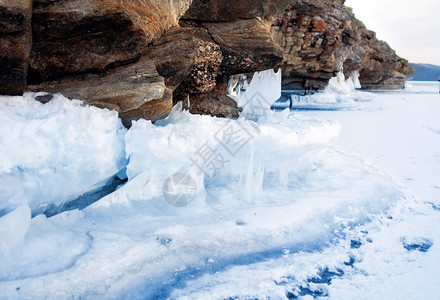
(396, 256)
(286, 206)
(54, 152)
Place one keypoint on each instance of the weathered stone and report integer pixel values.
(15, 45)
(195, 60)
(247, 46)
(187, 55)
(72, 36)
(229, 48)
(133, 55)
(135, 91)
(214, 104)
(226, 11)
(320, 38)
(153, 110)
(353, 63)
(381, 67)
(317, 36)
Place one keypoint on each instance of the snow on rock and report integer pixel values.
(53, 152)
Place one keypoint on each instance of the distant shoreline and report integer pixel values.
(424, 72)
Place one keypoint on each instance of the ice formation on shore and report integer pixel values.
(274, 196)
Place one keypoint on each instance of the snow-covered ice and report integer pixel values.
(54, 152)
(336, 204)
(396, 255)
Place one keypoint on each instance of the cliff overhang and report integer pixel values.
(141, 57)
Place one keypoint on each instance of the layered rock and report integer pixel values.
(93, 50)
(320, 38)
(186, 55)
(214, 104)
(247, 45)
(135, 91)
(316, 36)
(15, 45)
(225, 11)
(380, 67)
(71, 36)
(96, 51)
(141, 56)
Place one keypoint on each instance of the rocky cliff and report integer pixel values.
(320, 38)
(15, 45)
(141, 56)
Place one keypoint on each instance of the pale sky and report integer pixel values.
(412, 28)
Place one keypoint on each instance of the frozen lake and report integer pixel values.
(342, 203)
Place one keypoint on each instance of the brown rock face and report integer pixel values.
(380, 66)
(247, 45)
(319, 38)
(207, 54)
(140, 56)
(214, 104)
(193, 58)
(15, 45)
(226, 11)
(91, 41)
(153, 110)
(187, 56)
(72, 36)
(135, 91)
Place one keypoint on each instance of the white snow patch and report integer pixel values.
(54, 152)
